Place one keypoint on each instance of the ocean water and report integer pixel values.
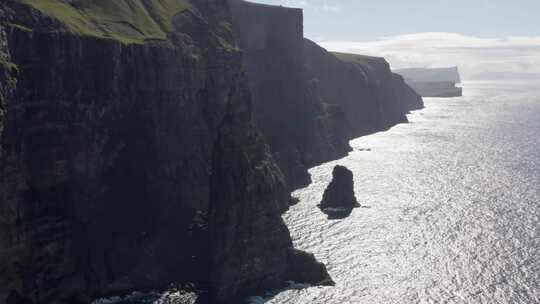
(451, 207)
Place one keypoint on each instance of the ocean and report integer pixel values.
(451, 207)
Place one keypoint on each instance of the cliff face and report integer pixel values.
(248, 195)
(7, 78)
(309, 103)
(407, 96)
(107, 148)
(298, 128)
(109, 127)
(389, 91)
(349, 86)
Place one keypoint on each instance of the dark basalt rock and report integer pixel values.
(300, 129)
(339, 195)
(307, 102)
(128, 166)
(252, 251)
(15, 298)
(304, 268)
(106, 150)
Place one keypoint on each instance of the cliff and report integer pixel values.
(393, 95)
(113, 116)
(248, 194)
(309, 103)
(297, 127)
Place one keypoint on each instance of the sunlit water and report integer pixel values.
(452, 207)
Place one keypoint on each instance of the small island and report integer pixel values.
(338, 198)
(433, 82)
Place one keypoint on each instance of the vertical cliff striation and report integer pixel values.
(248, 194)
(107, 153)
(8, 72)
(388, 90)
(346, 85)
(110, 116)
(308, 102)
(299, 129)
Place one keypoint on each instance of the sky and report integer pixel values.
(479, 36)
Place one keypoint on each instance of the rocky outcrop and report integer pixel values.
(340, 192)
(109, 127)
(248, 194)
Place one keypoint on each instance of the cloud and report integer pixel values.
(473, 55)
(296, 3)
(330, 8)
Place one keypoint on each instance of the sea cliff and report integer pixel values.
(295, 124)
(148, 143)
(308, 102)
(111, 127)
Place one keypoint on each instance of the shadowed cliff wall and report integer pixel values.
(106, 156)
(307, 102)
(346, 85)
(300, 130)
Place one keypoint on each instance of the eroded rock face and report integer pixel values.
(408, 97)
(308, 103)
(346, 86)
(300, 130)
(106, 153)
(340, 192)
(252, 248)
(385, 88)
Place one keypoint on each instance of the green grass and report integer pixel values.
(22, 28)
(129, 21)
(355, 58)
(226, 44)
(224, 34)
(8, 65)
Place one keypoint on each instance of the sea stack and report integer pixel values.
(340, 192)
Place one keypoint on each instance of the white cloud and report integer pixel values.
(473, 55)
(330, 8)
(296, 3)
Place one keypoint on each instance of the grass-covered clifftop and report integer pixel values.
(129, 21)
(360, 59)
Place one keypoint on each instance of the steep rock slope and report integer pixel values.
(110, 114)
(407, 96)
(299, 129)
(390, 91)
(248, 193)
(308, 102)
(347, 85)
